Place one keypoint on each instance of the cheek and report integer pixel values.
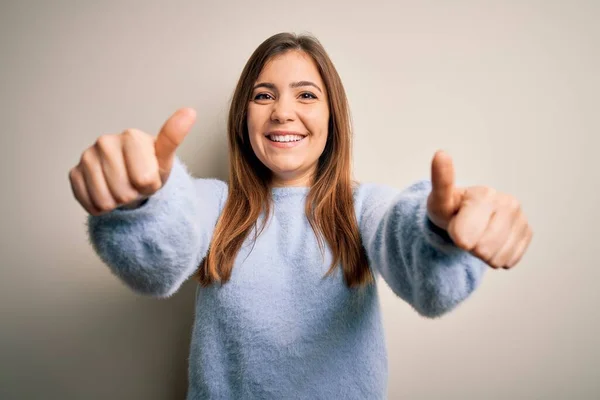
(317, 122)
(255, 124)
(258, 119)
(253, 127)
(251, 118)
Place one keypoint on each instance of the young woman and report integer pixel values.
(287, 252)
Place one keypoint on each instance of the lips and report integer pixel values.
(279, 132)
(285, 145)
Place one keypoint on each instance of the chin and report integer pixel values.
(285, 171)
(285, 166)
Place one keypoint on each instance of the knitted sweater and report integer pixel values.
(278, 329)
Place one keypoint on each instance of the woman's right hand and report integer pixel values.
(124, 169)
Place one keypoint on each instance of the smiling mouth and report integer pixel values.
(286, 141)
(285, 138)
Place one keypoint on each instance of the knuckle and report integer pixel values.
(514, 203)
(128, 198)
(121, 198)
(106, 205)
(522, 222)
(460, 239)
(131, 199)
(461, 242)
(87, 157)
(104, 143)
(148, 181)
(457, 238)
(132, 132)
(488, 191)
(484, 251)
(72, 174)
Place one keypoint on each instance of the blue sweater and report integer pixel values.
(277, 330)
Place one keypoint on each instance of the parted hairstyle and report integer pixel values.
(329, 204)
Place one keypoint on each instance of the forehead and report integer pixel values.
(290, 66)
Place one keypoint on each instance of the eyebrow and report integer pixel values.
(271, 86)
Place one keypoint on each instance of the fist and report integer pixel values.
(489, 224)
(123, 169)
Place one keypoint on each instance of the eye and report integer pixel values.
(260, 96)
(309, 94)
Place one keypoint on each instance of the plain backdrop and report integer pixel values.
(508, 88)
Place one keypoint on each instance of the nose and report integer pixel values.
(283, 111)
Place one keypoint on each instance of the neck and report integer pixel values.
(304, 180)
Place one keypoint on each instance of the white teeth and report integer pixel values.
(286, 138)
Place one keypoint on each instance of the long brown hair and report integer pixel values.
(329, 204)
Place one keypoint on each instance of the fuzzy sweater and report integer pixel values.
(277, 329)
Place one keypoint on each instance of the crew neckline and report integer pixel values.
(284, 191)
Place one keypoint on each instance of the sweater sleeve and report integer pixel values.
(418, 260)
(154, 248)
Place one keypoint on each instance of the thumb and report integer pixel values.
(443, 197)
(172, 133)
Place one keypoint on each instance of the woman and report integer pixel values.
(286, 253)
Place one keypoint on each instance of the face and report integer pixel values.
(288, 117)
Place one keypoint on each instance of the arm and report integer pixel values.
(155, 247)
(418, 260)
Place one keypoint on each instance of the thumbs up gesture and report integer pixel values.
(489, 224)
(123, 169)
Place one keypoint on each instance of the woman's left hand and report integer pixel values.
(489, 224)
